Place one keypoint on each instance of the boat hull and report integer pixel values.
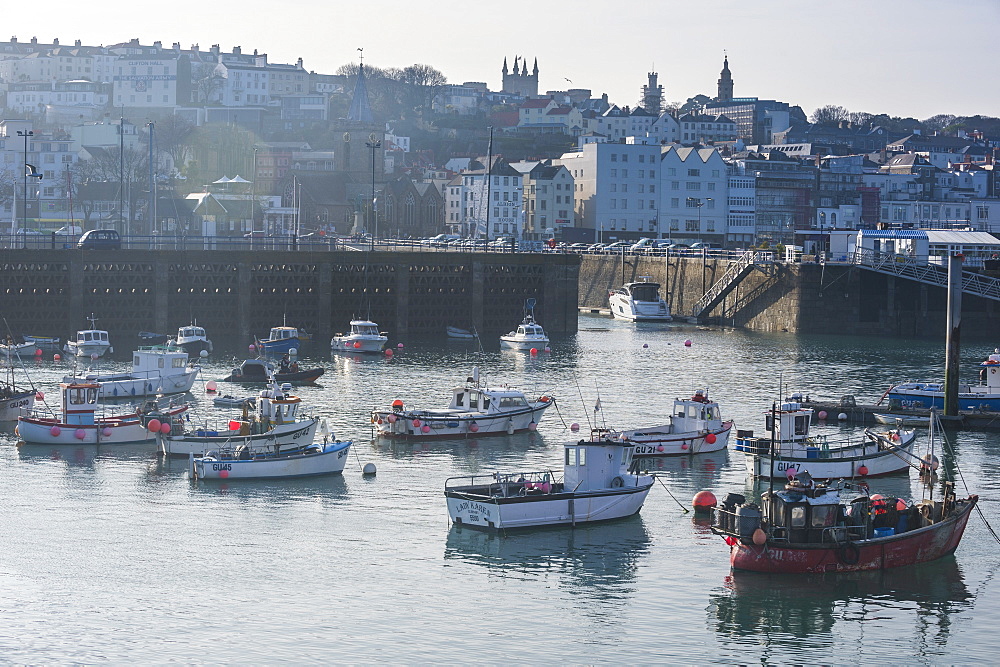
(127, 429)
(546, 510)
(623, 308)
(330, 460)
(909, 548)
(456, 425)
(16, 404)
(926, 399)
(199, 442)
(126, 387)
(656, 442)
(520, 344)
(885, 459)
(281, 346)
(87, 349)
(371, 345)
(195, 347)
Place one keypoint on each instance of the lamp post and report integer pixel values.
(373, 144)
(24, 199)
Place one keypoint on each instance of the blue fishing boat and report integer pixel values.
(930, 393)
(283, 339)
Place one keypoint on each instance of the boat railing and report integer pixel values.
(503, 485)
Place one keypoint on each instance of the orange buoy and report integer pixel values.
(704, 501)
(759, 537)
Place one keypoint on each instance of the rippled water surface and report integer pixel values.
(113, 554)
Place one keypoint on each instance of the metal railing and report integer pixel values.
(919, 269)
(736, 272)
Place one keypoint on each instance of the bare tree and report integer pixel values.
(831, 113)
(939, 122)
(172, 135)
(420, 84)
(860, 118)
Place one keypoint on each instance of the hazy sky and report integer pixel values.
(902, 57)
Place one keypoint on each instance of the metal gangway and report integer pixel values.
(737, 271)
(919, 269)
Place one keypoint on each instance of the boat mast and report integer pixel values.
(489, 179)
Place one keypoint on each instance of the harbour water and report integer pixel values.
(112, 554)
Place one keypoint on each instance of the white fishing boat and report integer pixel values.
(245, 463)
(15, 400)
(89, 342)
(529, 334)
(901, 420)
(79, 423)
(639, 302)
(476, 409)
(598, 484)
(155, 370)
(276, 422)
(457, 333)
(228, 401)
(193, 340)
(363, 337)
(694, 427)
(12, 349)
(793, 450)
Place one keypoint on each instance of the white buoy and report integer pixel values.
(203, 354)
(369, 469)
(842, 416)
(292, 351)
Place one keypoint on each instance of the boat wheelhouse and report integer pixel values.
(193, 340)
(90, 342)
(155, 370)
(283, 340)
(363, 337)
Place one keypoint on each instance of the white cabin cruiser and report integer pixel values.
(529, 334)
(89, 342)
(639, 302)
(694, 427)
(475, 409)
(364, 337)
(793, 450)
(155, 370)
(598, 484)
(193, 339)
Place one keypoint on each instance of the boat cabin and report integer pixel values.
(79, 401)
(590, 466)
(989, 374)
(529, 329)
(253, 369)
(155, 361)
(644, 291)
(805, 512)
(91, 336)
(276, 406)
(190, 332)
(695, 413)
(283, 333)
(364, 328)
(473, 399)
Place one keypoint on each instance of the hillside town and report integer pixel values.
(155, 141)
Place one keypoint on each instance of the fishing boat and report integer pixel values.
(254, 371)
(598, 484)
(639, 302)
(282, 340)
(79, 423)
(806, 528)
(363, 337)
(476, 409)
(45, 343)
(457, 333)
(155, 370)
(789, 448)
(245, 463)
(149, 338)
(276, 422)
(15, 400)
(193, 340)
(12, 349)
(901, 420)
(694, 427)
(929, 393)
(90, 342)
(529, 334)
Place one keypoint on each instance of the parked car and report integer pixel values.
(616, 247)
(640, 246)
(69, 230)
(100, 239)
(578, 247)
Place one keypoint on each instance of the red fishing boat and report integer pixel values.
(805, 528)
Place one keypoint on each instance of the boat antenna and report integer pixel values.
(579, 390)
(597, 407)
(774, 428)
(20, 362)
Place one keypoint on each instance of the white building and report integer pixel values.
(152, 81)
(548, 199)
(616, 189)
(665, 129)
(698, 128)
(693, 195)
(741, 203)
(486, 203)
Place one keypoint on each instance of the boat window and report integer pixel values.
(474, 400)
(486, 403)
(768, 422)
(521, 331)
(178, 362)
(460, 399)
(135, 360)
(88, 336)
(76, 396)
(583, 456)
(92, 395)
(798, 519)
(569, 456)
(199, 332)
(802, 425)
(160, 362)
(104, 335)
(692, 411)
(646, 292)
(712, 413)
(512, 401)
(824, 516)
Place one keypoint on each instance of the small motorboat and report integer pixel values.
(228, 401)
(456, 333)
(156, 370)
(12, 349)
(694, 427)
(282, 340)
(149, 338)
(598, 484)
(14, 400)
(363, 337)
(45, 343)
(639, 302)
(928, 393)
(78, 423)
(476, 409)
(276, 423)
(90, 342)
(253, 371)
(901, 420)
(193, 340)
(245, 463)
(806, 528)
(529, 334)
(789, 449)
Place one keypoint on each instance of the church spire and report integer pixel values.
(505, 70)
(725, 81)
(361, 110)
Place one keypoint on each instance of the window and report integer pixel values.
(675, 202)
(711, 187)
(691, 185)
(692, 226)
(694, 172)
(675, 185)
(614, 157)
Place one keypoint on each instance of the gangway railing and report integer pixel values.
(736, 272)
(916, 268)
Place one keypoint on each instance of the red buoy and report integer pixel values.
(704, 501)
(710, 438)
(863, 470)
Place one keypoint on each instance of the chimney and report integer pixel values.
(237, 51)
(298, 63)
(13, 40)
(55, 42)
(157, 45)
(78, 43)
(134, 41)
(34, 40)
(177, 46)
(215, 49)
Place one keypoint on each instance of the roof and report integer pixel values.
(893, 234)
(950, 237)
(536, 104)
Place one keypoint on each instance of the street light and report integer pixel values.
(27, 168)
(373, 144)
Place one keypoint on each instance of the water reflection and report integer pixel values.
(470, 453)
(84, 455)
(781, 609)
(330, 489)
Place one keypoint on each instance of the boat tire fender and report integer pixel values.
(617, 482)
(849, 553)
